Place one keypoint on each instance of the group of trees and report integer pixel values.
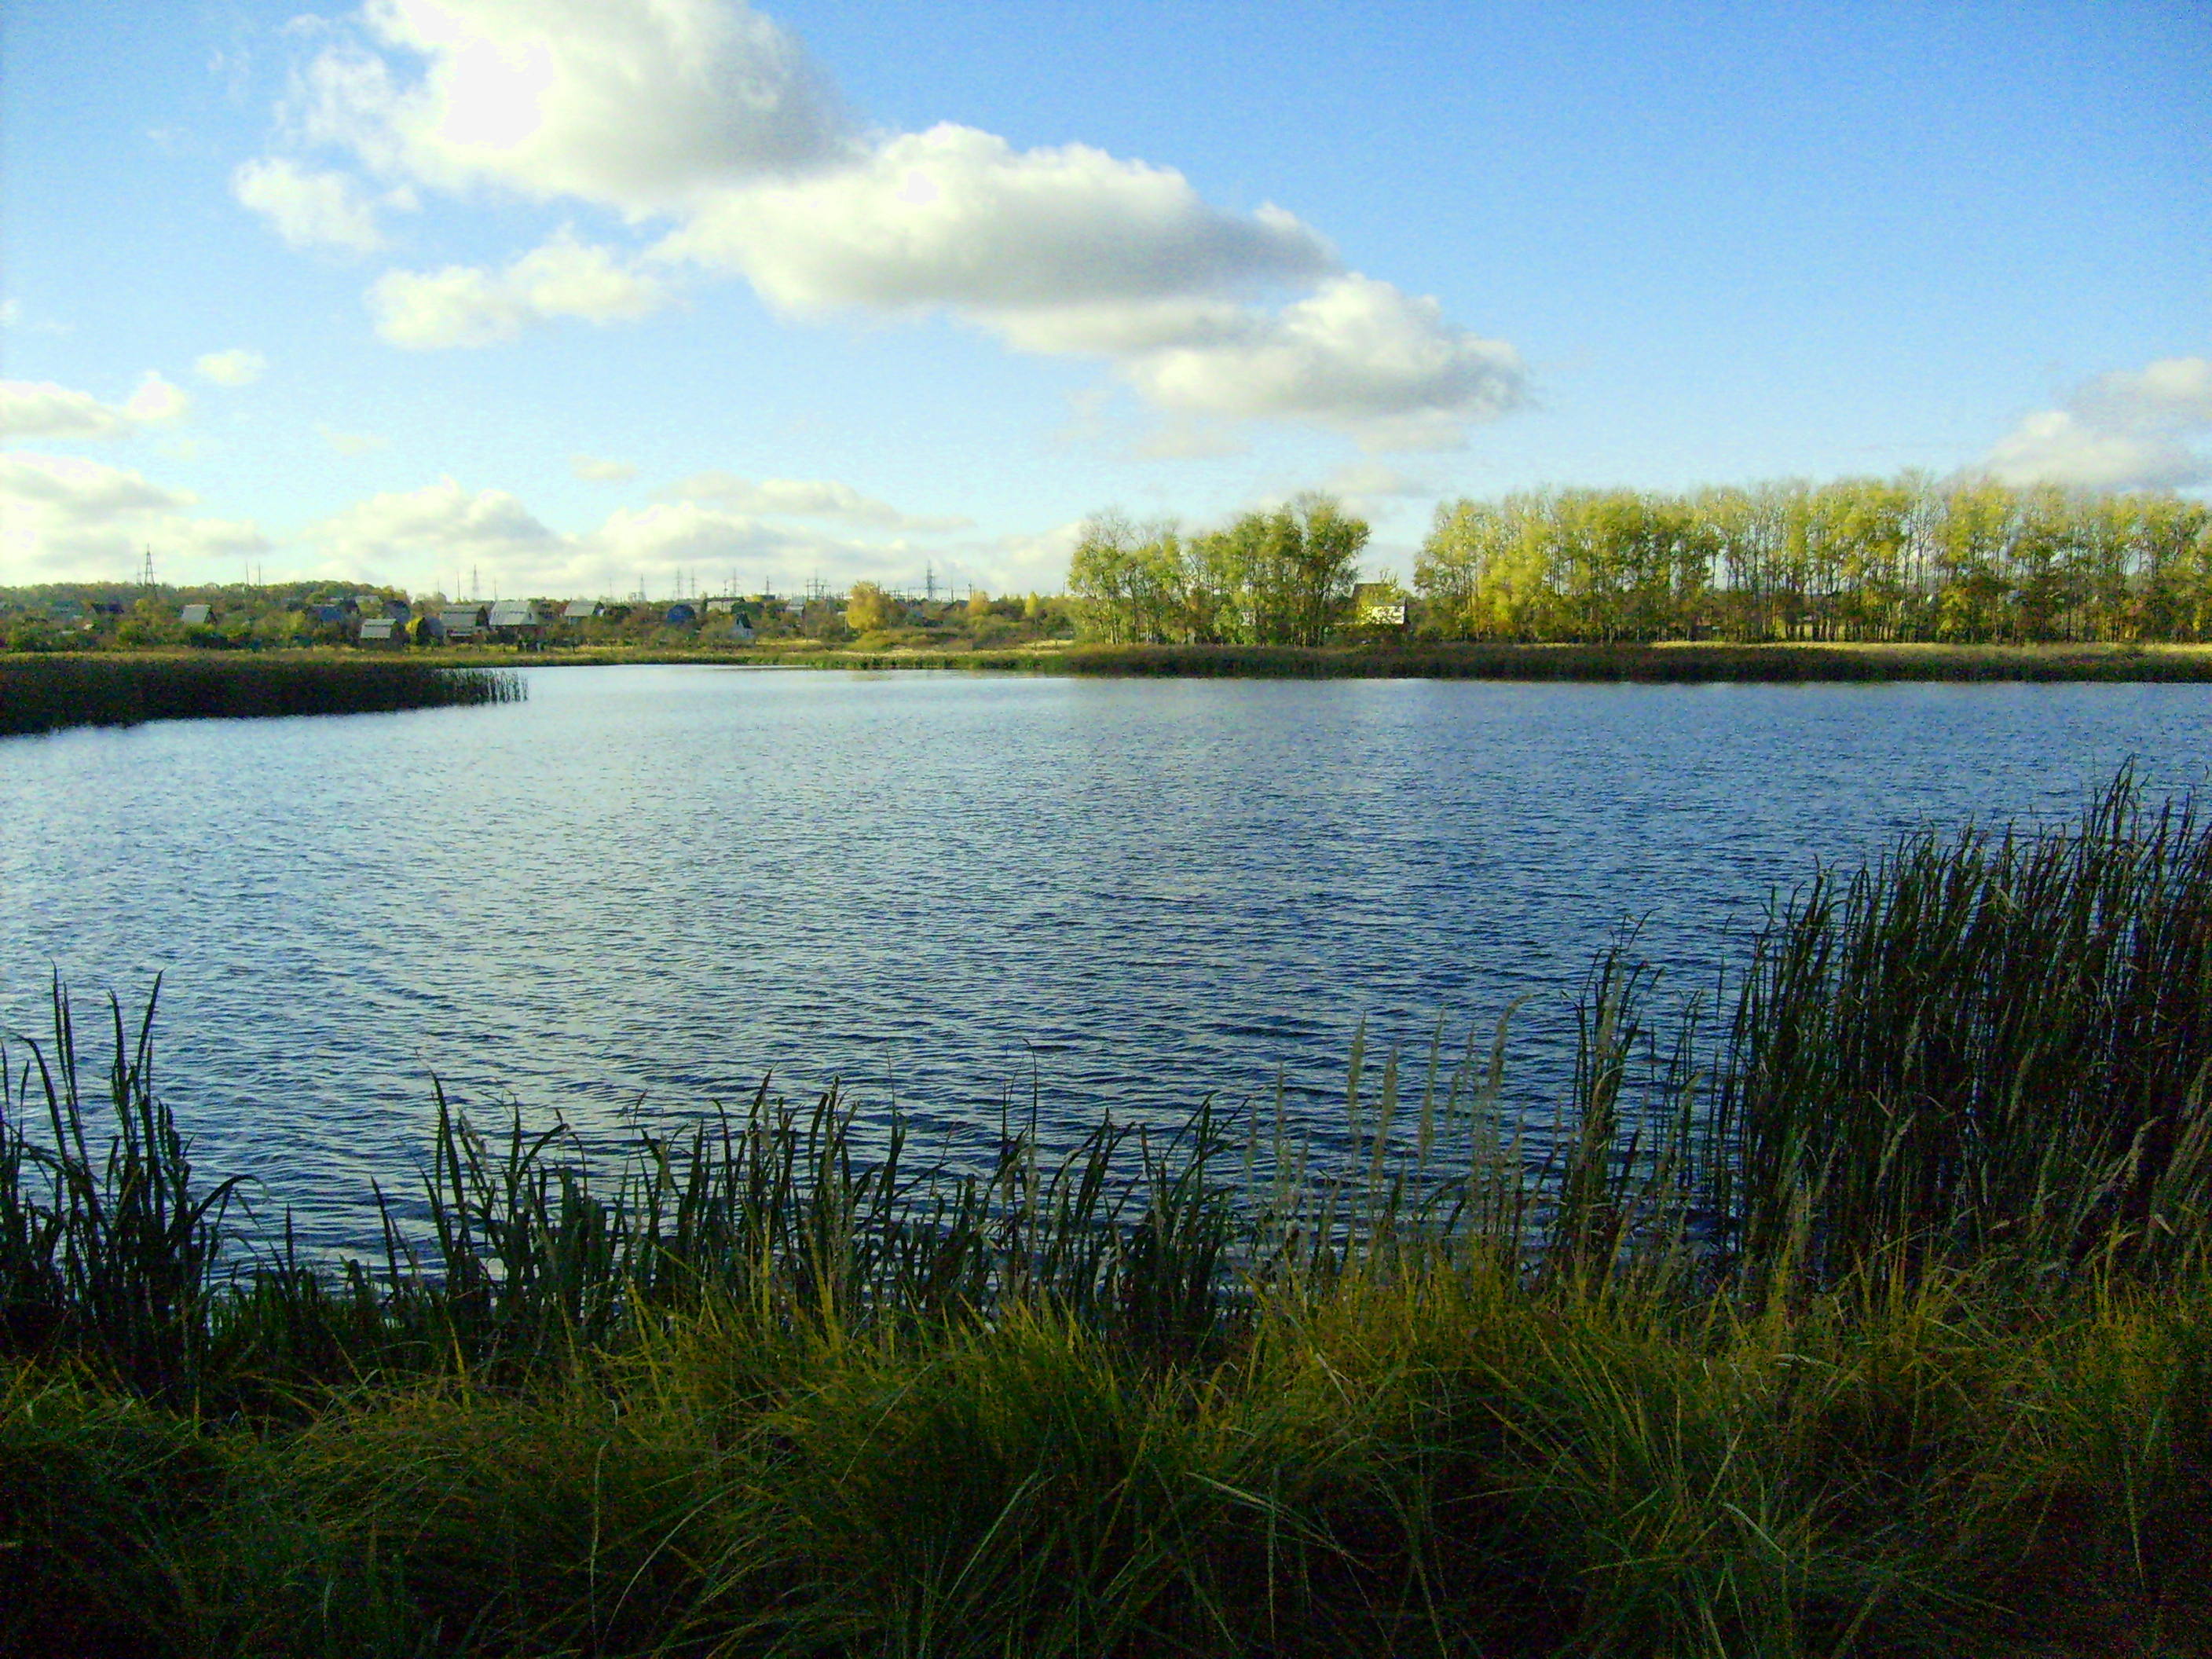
(1279, 578)
(1907, 558)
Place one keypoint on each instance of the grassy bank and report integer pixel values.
(46, 693)
(1873, 1318)
(1661, 663)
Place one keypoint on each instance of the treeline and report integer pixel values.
(1279, 578)
(1902, 559)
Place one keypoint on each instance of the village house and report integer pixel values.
(516, 621)
(463, 621)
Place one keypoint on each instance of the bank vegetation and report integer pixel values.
(45, 693)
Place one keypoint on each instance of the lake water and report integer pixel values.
(647, 887)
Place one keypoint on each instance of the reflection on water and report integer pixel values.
(648, 888)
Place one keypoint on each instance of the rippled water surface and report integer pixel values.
(647, 887)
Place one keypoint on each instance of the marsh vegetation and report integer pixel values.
(46, 693)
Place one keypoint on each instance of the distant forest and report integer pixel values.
(1904, 558)
(1859, 559)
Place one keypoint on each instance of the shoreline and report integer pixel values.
(1667, 662)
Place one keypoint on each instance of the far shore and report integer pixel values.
(1665, 662)
(120, 687)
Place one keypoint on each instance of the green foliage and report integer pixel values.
(1279, 578)
(869, 610)
(1971, 562)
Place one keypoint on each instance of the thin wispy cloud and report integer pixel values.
(812, 498)
(240, 366)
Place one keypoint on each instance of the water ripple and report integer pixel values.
(647, 889)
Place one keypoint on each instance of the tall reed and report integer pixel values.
(45, 694)
(1983, 1045)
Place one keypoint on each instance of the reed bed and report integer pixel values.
(1667, 664)
(46, 694)
(1873, 1318)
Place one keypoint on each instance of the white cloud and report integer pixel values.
(428, 534)
(157, 401)
(592, 469)
(956, 217)
(465, 306)
(2141, 429)
(641, 108)
(444, 517)
(308, 207)
(240, 366)
(40, 409)
(708, 116)
(1357, 354)
(61, 515)
(818, 498)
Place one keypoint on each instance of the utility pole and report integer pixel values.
(146, 569)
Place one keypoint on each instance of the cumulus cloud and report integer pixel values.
(2133, 429)
(1357, 354)
(465, 306)
(440, 527)
(645, 108)
(40, 409)
(444, 520)
(63, 515)
(239, 365)
(818, 498)
(157, 401)
(309, 207)
(592, 469)
(709, 117)
(953, 216)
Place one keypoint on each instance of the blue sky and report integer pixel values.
(579, 296)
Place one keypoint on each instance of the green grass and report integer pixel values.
(1874, 1320)
(1671, 663)
(47, 693)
